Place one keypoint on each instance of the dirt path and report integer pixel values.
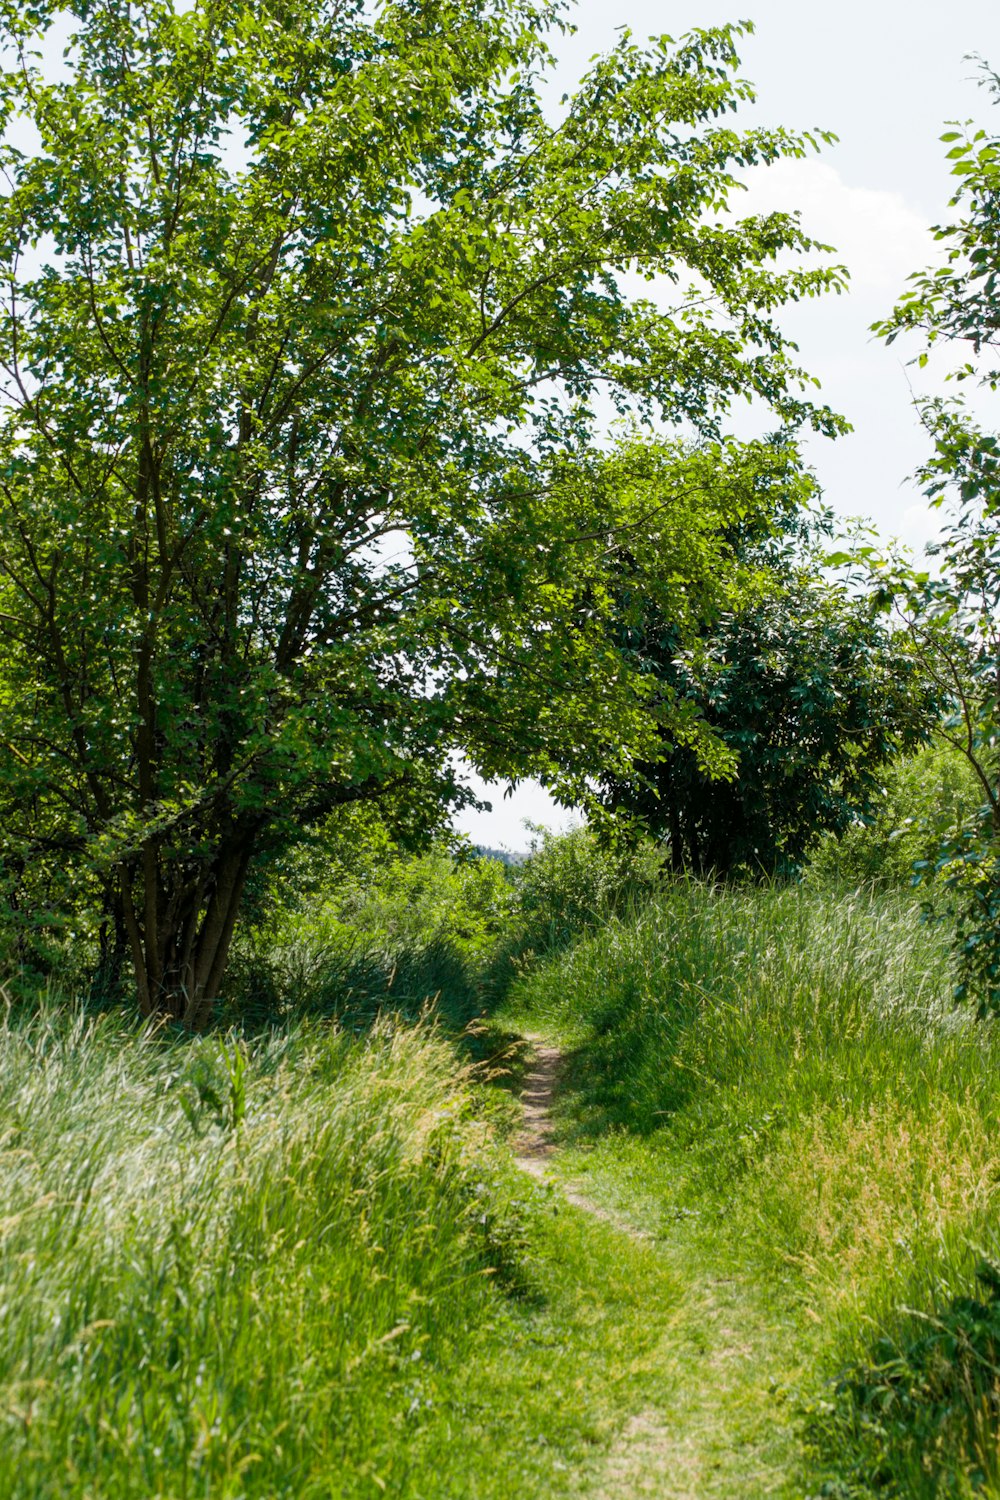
(535, 1144)
(715, 1440)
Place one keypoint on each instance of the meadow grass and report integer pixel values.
(775, 1078)
(296, 1266)
(300, 1263)
(222, 1265)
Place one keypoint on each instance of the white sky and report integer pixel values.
(885, 76)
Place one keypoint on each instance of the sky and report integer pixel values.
(886, 76)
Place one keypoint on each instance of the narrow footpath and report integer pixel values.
(725, 1429)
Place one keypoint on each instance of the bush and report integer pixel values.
(573, 881)
(407, 930)
(925, 800)
(404, 932)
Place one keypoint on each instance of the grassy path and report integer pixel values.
(705, 1414)
(724, 1433)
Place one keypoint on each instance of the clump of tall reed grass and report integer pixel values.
(232, 1268)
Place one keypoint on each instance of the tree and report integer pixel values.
(797, 681)
(949, 615)
(306, 309)
(925, 799)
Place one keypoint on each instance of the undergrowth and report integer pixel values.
(290, 1258)
(427, 929)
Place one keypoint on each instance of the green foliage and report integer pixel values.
(949, 617)
(924, 800)
(573, 881)
(774, 1078)
(969, 866)
(465, 901)
(404, 932)
(398, 932)
(232, 1269)
(308, 305)
(924, 1418)
(798, 681)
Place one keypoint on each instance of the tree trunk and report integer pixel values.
(693, 843)
(676, 839)
(180, 925)
(113, 945)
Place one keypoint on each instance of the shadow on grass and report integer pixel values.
(626, 1075)
(353, 985)
(920, 1417)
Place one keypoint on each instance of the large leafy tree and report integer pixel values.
(306, 308)
(797, 679)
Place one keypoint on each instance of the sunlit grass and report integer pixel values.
(224, 1270)
(299, 1266)
(778, 1076)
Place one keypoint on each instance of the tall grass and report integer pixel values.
(427, 929)
(784, 1065)
(231, 1270)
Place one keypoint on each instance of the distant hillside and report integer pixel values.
(505, 856)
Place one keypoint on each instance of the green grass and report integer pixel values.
(296, 1267)
(775, 1083)
(302, 1264)
(214, 1282)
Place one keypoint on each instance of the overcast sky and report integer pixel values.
(885, 76)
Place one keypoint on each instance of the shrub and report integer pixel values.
(573, 881)
(404, 932)
(925, 799)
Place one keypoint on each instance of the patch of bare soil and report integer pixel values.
(535, 1143)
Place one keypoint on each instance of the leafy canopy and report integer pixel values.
(799, 682)
(950, 615)
(307, 310)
